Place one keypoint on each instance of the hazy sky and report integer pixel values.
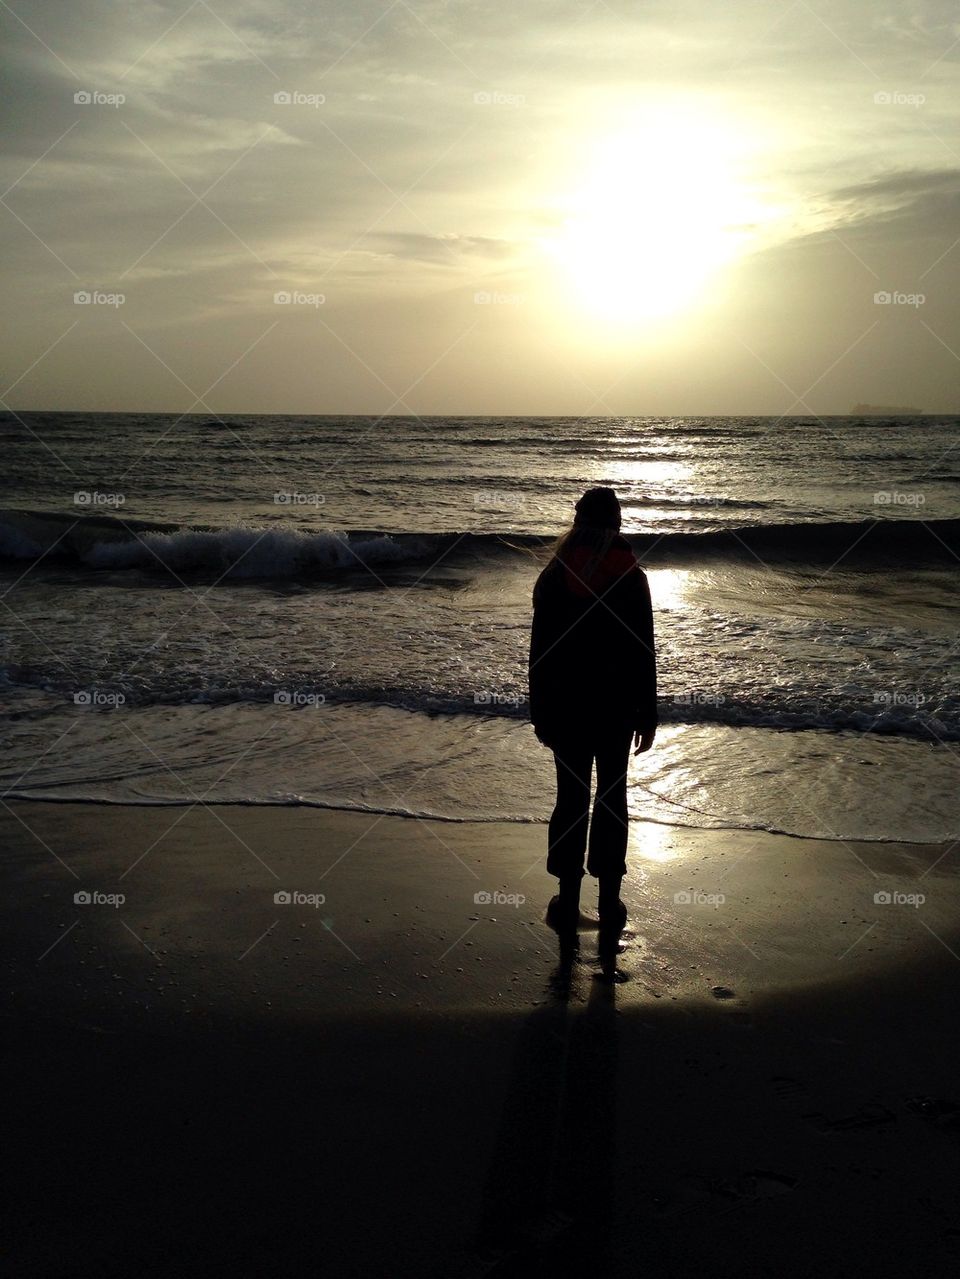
(481, 207)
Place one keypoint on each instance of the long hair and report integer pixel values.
(598, 540)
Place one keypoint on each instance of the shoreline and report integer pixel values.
(462, 769)
(383, 1085)
(911, 845)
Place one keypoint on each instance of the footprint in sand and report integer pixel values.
(938, 1111)
(786, 1086)
(738, 1188)
(749, 1186)
(870, 1115)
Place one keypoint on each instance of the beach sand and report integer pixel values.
(402, 1081)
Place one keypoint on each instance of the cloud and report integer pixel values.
(443, 249)
(429, 150)
(895, 208)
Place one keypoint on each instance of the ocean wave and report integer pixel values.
(46, 691)
(883, 540)
(692, 502)
(245, 552)
(107, 542)
(223, 424)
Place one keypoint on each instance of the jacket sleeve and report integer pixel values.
(543, 693)
(645, 656)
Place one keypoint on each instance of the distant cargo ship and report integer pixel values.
(883, 410)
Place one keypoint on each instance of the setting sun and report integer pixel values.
(659, 209)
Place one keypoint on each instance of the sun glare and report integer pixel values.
(658, 210)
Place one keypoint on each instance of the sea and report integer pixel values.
(335, 611)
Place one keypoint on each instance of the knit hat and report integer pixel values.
(598, 508)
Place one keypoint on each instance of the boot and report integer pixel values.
(563, 913)
(613, 913)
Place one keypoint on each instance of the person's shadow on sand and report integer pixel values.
(549, 1192)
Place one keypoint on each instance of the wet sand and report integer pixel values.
(400, 1080)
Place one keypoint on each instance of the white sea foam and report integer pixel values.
(456, 768)
(244, 552)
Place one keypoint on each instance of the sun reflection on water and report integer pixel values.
(652, 843)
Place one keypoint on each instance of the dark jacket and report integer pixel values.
(592, 658)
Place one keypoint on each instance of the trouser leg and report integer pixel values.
(567, 838)
(608, 826)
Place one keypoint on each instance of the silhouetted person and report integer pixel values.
(593, 689)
